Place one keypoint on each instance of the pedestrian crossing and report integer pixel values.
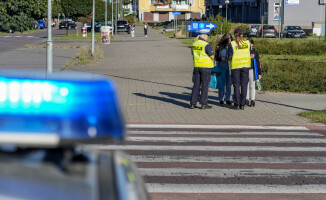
(232, 163)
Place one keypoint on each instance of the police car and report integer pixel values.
(45, 122)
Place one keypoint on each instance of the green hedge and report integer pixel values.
(294, 75)
(290, 46)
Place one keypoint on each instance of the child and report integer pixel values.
(254, 74)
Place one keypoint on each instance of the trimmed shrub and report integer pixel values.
(290, 47)
(294, 75)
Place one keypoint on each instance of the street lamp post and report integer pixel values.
(226, 3)
(93, 29)
(49, 42)
(220, 8)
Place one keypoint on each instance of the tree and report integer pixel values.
(76, 8)
(18, 15)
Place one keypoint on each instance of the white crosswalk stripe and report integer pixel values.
(274, 161)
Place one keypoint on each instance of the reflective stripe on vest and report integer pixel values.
(201, 59)
(241, 57)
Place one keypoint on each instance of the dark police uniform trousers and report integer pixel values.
(240, 78)
(200, 77)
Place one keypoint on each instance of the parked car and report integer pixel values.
(293, 32)
(193, 33)
(268, 31)
(45, 23)
(41, 24)
(98, 26)
(122, 25)
(35, 25)
(253, 31)
(67, 25)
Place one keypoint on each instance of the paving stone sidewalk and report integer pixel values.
(153, 76)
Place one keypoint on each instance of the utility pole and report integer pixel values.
(282, 16)
(112, 16)
(226, 14)
(93, 29)
(279, 19)
(116, 18)
(49, 42)
(106, 12)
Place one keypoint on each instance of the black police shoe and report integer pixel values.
(205, 107)
(192, 106)
(235, 107)
(247, 102)
(228, 102)
(221, 102)
(241, 107)
(252, 103)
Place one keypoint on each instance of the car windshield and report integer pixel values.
(122, 22)
(254, 26)
(294, 28)
(268, 27)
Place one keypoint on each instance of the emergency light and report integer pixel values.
(59, 109)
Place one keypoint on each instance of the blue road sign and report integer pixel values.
(202, 25)
(176, 13)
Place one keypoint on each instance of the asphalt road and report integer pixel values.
(15, 41)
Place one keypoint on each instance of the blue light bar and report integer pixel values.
(73, 106)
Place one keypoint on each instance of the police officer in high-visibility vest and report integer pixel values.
(203, 56)
(240, 65)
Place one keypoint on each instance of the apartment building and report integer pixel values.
(162, 10)
(296, 12)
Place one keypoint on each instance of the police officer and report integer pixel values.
(240, 65)
(203, 56)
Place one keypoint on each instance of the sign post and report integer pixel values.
(176, 20)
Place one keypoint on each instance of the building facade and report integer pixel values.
(162, 10)
(296, 12)
(244, 11)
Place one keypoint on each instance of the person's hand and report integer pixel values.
(259, 76)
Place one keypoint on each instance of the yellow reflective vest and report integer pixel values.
(201, 59)
(241, 56)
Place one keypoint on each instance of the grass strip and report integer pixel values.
(315, 116)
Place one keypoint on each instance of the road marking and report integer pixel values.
(227, 159)
(204, 148)
(224, 133)
(228, 140)
(227, 173)
(233, 188)
(199, 126)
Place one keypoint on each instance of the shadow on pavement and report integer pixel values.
(135, 79)
(285, 105)
(173, 98)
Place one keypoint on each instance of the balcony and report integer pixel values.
(180, 7)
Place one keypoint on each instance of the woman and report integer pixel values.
(222, 57)
(145, 29)
(254, 74)
(132, 28)
(240, 65)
